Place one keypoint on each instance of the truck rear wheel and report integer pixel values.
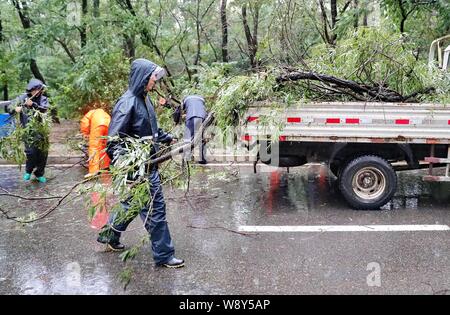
(368, 182)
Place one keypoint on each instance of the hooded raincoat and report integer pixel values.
(94, 125)
(36, 158)
(134, 116)
(40, 102)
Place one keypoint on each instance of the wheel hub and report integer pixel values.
(369, 183)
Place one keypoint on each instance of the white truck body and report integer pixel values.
(359, 122)
(359, 140)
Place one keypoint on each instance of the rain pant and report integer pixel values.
(134, 116)
(94, 125)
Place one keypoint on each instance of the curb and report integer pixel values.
(52, 160)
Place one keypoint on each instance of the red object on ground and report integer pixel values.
(101, 217)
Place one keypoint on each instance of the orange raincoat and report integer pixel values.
(94, 125)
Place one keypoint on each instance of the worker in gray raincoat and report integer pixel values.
(195, 110)
(134, 116)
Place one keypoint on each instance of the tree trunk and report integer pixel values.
(26, 23)
(1, 30)
(23, 14)
(356, 21)
(404, 15)
(35, 70)
(83, 35)
(223, 19)
(129, 47)
(147, 38)
(96, 8)
(197, 26)
(5, 91)
(255, 29)
(252, 41)
(66, 49)
(324, 17)
(402, 25)
(5, 84)
(334, 13)
(369, 93)
(334, 18)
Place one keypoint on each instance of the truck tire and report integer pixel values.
(368, 182)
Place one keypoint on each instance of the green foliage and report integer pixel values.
(131, 253)
(240, 91)
(125, 277)
(29, 217)
(9, 72)
(185, 36)
(441, 82)
(210, 78)
(129, 181)
(228, 92)
(37, 131)
(371, 56)
(12, 148)
(35, 134)
(101, 76)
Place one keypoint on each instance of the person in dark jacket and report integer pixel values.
(134, 116)
(195, 111)
(24, 105)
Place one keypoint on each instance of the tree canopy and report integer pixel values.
(82, 49)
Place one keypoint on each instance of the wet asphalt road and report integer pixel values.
(59, 255)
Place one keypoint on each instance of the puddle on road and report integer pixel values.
(307, 189)
(413, 192)
(248, 196)
(66, 278)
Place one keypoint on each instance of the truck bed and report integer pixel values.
(354, 122)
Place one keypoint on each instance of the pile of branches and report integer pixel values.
(357, 91)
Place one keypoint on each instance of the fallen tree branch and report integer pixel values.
(176, 151)
(222, 228)
(5, 213)
(29, 198)
(366, 92)
(424, 91)
(48, 211)
(189, 145)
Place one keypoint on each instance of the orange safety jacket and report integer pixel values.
(94, 125)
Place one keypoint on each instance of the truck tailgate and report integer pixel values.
(354, 122)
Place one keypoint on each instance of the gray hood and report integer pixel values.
(34, 84)
(141, 69)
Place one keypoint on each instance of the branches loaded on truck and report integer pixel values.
(361, 142)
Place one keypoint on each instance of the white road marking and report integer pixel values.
(343, 228)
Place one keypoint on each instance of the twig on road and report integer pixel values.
(29, 198)
(48, 211)
(222, 228)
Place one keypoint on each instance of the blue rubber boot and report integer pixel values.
(42, 179)
(26, 176)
